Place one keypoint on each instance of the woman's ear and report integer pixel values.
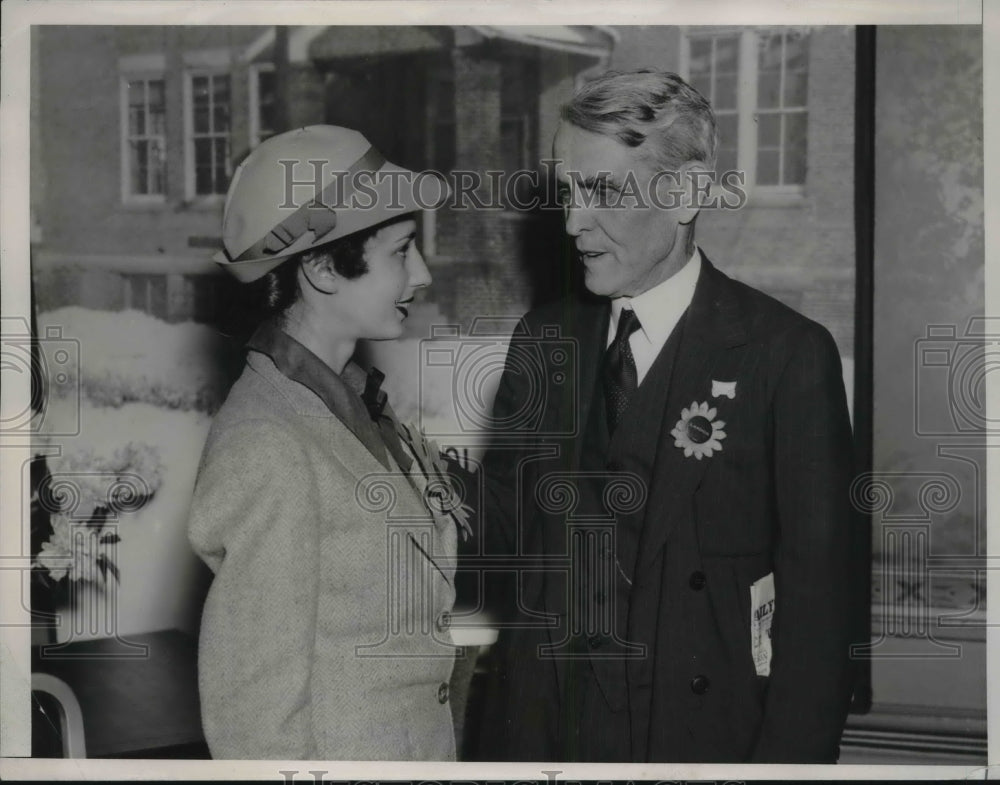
(319, 271)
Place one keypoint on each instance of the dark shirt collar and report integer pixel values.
(341, 393)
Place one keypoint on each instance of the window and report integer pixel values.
(262, 103)
(207, 115)
(757, 81)
(143, 139)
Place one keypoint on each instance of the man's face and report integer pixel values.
(625, 250)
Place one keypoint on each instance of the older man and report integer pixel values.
(678, 515)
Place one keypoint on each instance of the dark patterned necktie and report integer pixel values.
(620, 376)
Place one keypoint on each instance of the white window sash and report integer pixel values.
(125, 140)
(190, 190)
(746, 104)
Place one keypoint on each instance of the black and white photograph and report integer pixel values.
(396, 386)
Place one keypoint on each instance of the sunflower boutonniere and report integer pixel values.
(442, 498)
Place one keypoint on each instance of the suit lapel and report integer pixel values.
(591, 331)
(714, 324)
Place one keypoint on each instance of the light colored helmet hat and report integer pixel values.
(308, 187)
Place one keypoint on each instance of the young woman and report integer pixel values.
(324, 634)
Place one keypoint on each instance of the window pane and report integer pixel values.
(797, 51)
(156, 111)
(701, 56)
(727, 124)
(769, 53)
(137, 92)
(220, 89)
(136, 121)
(199, 88)
(727, 52)
(157, 123)
(156, 165)
(725, 92)
(221, 118)
(767, 167)
(203, 166)
(768, 130)
(796, 130)
(156, 95)
(769, 90)
(137, 164)
(796, 85)
(703, 84)
(221, 176)
(201, 119)
(725, 160)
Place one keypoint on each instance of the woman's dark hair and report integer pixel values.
(273, 294)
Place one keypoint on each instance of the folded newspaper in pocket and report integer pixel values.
(761, 614)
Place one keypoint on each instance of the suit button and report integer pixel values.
(699, 685)
(443, 621)
(594, 641)
(443, 693)
(697, 580)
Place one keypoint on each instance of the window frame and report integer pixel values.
(190, 192)
(125, 138)
(747, 111)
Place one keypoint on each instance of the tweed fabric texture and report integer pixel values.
(319, 637)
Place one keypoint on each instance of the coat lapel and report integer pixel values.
(714, 323)
(591, 334)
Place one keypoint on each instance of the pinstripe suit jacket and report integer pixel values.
(321, 636)
(773, 499)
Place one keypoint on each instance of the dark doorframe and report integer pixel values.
(864, 243)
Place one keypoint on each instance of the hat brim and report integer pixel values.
(393, 192)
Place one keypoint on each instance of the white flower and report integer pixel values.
(442, 500)
(697, 432)
(73, 552)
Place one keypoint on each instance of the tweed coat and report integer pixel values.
(677, 667)
(323, 634)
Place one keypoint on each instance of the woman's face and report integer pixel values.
(377, 302)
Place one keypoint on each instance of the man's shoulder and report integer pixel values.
(764, 315)
(566, 314)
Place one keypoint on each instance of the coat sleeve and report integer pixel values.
(811, 676)
(254, 520)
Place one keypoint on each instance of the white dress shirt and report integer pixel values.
(659, 309)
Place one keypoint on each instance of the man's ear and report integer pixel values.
(319, 271)
(696, 181)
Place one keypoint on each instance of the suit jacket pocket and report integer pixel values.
(728, 583)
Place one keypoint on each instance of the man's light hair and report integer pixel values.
(656, 111)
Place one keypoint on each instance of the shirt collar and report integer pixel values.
(341, 393)
(660, 308)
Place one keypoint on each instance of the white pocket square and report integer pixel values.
(723, 388)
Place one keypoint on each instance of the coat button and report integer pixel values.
(699, 685)
(443, 693)
(594, 641)
(697, 580)
(443, 621)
